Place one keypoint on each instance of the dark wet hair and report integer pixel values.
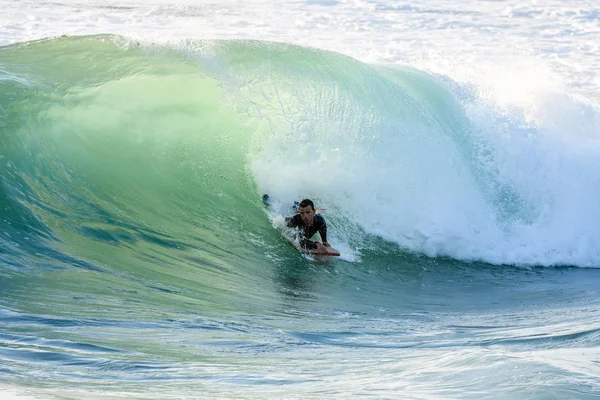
(306, 203)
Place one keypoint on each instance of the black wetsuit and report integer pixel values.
(306, 232)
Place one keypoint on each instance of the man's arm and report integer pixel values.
(323, 231)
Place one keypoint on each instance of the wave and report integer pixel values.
(120, 153)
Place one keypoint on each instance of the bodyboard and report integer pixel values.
(329, 251)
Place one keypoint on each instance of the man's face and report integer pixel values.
(307, 214)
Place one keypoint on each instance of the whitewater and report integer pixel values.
(455, 148)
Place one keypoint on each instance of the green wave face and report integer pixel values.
(123, 159)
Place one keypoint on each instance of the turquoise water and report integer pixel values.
(137, 259)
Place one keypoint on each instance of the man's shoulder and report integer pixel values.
(295, 219)
(319, 219)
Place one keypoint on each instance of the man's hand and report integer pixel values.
(326, 244)
(321, 247)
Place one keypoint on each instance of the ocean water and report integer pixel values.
(455, 148)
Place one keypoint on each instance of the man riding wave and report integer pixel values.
(309, 223)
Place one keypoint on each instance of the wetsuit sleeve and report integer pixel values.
(323, 230)
(292, 222)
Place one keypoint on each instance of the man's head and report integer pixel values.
(307, 211)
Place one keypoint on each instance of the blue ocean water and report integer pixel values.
(454, 148)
